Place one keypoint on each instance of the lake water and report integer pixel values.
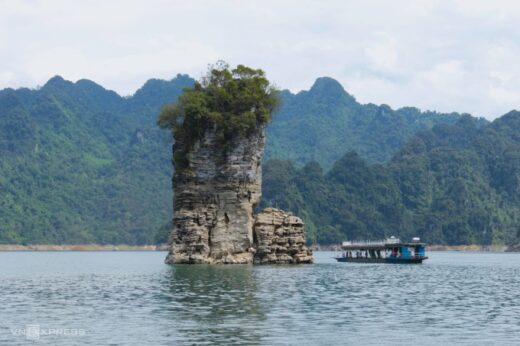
(132, 298)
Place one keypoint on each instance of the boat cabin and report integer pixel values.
(391, 250)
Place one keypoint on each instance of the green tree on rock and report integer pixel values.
(233, 102)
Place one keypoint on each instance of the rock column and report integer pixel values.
(214, 199)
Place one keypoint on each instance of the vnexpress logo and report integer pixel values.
(35, 332)
(32, 332)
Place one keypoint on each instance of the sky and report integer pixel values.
(461, 56)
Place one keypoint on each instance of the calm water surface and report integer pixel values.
(132, 298)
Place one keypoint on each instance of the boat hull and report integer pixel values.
(382, 260)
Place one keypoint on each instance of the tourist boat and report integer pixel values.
(391, 250)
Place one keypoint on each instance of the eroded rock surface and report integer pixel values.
(214, 199)
(280, 238)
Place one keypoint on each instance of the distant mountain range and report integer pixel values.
(81, 164)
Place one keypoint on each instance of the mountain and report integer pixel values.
(82, 164)
(453, 184)
(325, 122)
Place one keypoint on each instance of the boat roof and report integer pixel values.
(375, 245)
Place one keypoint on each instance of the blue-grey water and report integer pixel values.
(132, 298)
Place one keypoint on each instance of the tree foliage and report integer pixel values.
(80, 164)
(454, 184)
(325, 122)
(234, 102)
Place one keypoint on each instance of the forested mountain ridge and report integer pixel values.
(325, 122)
(81, 164)
(453, 184)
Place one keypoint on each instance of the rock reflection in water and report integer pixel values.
(221, 300)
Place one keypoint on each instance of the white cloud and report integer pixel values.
(383, 55)
(439, 55)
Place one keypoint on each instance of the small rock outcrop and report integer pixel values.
(280, 238)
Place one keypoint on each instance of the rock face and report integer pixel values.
(280, 238)
(214, 199)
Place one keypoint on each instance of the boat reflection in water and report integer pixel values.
(391, 250)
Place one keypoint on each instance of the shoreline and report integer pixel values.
(164, 247)
(468, 248)
(82, 247)
(437, 247)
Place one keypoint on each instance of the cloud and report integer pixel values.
(438, 55)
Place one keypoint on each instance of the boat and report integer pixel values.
(390, 250)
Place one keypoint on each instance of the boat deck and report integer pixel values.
(416, 260)
(377, 245)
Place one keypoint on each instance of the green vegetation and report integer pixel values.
(80, 164)
(453, 184)
(233, 102)
(325, 122)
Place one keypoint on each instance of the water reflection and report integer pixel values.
(213, 304)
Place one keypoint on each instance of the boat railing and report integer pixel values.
(392, 240)
(372, 242)
(369, 242)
